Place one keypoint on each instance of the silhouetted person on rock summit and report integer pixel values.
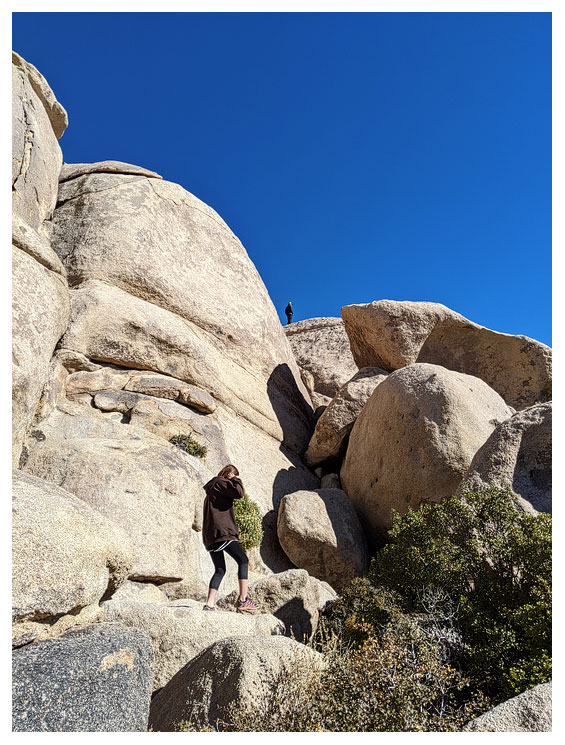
(288, 311)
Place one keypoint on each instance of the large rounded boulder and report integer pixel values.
(161, 283)
(238, 673)
(414, 441)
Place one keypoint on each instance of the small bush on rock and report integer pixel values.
(189, 445)
(249, 522)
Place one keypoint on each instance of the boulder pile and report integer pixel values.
(391, 334)
(147, 355)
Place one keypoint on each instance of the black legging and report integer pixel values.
(235, 550)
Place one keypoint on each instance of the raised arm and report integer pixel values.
(238, 487)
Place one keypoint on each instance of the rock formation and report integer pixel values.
(145, 340)
(147, 355)
(108, 228)
(321, 347)
(166, 330)
(178, 634)
(517, 455)
(414, 441)
(392, 334)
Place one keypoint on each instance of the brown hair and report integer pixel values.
(228, 469)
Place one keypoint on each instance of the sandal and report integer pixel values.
(208, 607)
(246, 606)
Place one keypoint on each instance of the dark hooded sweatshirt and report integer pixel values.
(219, 521)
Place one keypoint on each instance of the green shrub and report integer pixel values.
(361, 612)
(249, 522)
(394, 683)
(189, 445)
(453, 617)
(494, 563)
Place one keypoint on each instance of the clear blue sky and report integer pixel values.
(357, 156)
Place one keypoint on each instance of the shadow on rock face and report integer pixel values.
(271, 551)
(286, 481)
(297, 422)
(532, 477)
(297, 620)
(293, 411)
(292, 479)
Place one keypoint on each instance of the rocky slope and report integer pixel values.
(137, 317)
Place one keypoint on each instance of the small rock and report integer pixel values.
(122, 401)
(102, 378)
(320, 532)
(330, 481)
(75, 361)
(140, 592)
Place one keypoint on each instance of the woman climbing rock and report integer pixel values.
(220, 533)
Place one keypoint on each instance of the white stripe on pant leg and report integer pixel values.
(221, 548)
